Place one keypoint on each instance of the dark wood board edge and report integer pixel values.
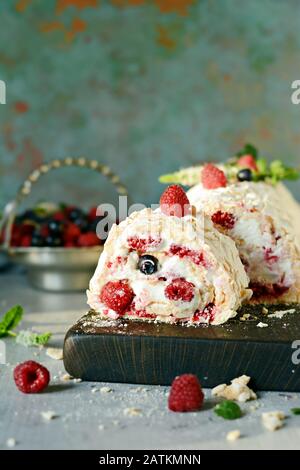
(157, 360)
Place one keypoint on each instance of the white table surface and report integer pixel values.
(96, 420)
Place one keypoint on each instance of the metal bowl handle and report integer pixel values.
(25, 189)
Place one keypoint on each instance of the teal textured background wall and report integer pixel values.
(144, 86)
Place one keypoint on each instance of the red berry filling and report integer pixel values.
(141, 313)
(31, 377)
(267, 291)
(224, 219)
(143, 244)
(185, 394)
(212, 177)
(175, 202)
(180, 289)
(117, 262)
(117, 295)
(196, 256)
(270, 258)
(208, 314)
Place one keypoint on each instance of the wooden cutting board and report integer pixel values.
(147, 353)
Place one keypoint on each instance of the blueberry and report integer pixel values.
(148, 264)
(75, 213)
(82, 223)
(53, 241)
(55, 226)
(244, 175)
(37, 240)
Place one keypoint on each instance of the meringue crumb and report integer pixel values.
(11, 442)
(101, 427)
(233, 435)
(66, 377)
(254, 407)
(238, 390)
(264, 311)
(280, 313)
(94, 390)
(55, 353)
(262, 325)
(273, 420)
(245, 317)
(48, 415)
(132, 412)
(77, 381)
(105, 389)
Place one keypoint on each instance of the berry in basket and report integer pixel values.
(51, 225)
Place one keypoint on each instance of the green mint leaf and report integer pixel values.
(11, 319)
(248, 149)
(295, 411)
(228, 409)
(29, 338)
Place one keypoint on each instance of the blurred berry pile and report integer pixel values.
(51, 225)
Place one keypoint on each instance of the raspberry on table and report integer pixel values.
(185, 394)
(224, 219)
(174, 201)
(212, 177)
(247, 161)
(180, 289)
(31, 377)
(117, 295)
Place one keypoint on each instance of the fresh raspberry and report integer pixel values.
(68, 210)
(31, 377)
(180, 289)
(174, 201)
(88, 239)
(247, 161)
(212, 177)
(44, 231)
(92, 215)
(16, 235)
(26, 241)
(70, 245)
(224, 219)
(59, 216)
(71, 233)
(185, 394)
(26, 229)
(117, 295)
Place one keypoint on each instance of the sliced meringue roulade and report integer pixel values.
(246, 200)
(160, 267)
(264, 221)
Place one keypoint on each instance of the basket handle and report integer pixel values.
(25, 189)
